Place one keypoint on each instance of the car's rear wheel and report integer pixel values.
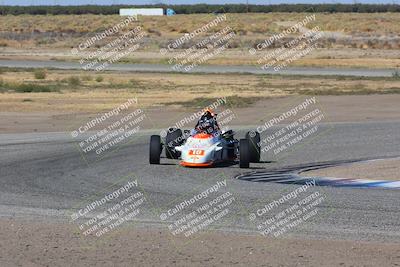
(174, 138)
(254, 145)
(244, 155)
(155, 149)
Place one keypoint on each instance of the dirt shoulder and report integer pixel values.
(388, 169)
(335, 108)
(323, 57)
(40, 243)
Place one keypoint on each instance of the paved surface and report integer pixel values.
(44, 174)
(204, 69)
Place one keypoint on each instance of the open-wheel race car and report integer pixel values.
(206, 145)
(202, 149)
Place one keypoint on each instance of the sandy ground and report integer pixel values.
(335, 108)
(40, 243)
(388, 169)
(332, 57)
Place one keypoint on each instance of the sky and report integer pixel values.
(172, 2)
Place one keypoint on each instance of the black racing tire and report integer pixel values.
(155, 149)
(174, 138)
(254, 145)
(244, 155)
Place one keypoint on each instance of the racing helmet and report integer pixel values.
(208, 113)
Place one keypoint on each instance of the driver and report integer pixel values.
(207, 123)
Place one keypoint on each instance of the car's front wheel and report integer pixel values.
(244, 153)
(254, 146)
(155, 149)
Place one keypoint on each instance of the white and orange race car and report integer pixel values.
(206, 149)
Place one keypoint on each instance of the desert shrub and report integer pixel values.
(87, 78)
(99, 79)
(183, 30)
(231, 101)
(40, 74)
(134, 82)
(74, 81)
(154, 31)
(32, 88)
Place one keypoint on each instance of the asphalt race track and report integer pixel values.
(293, 175)
(205, 69)
(45, 175)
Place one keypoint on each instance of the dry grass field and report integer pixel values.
(351, 39)
(81, 91)
(245, 24)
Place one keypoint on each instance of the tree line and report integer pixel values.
(201, 8)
